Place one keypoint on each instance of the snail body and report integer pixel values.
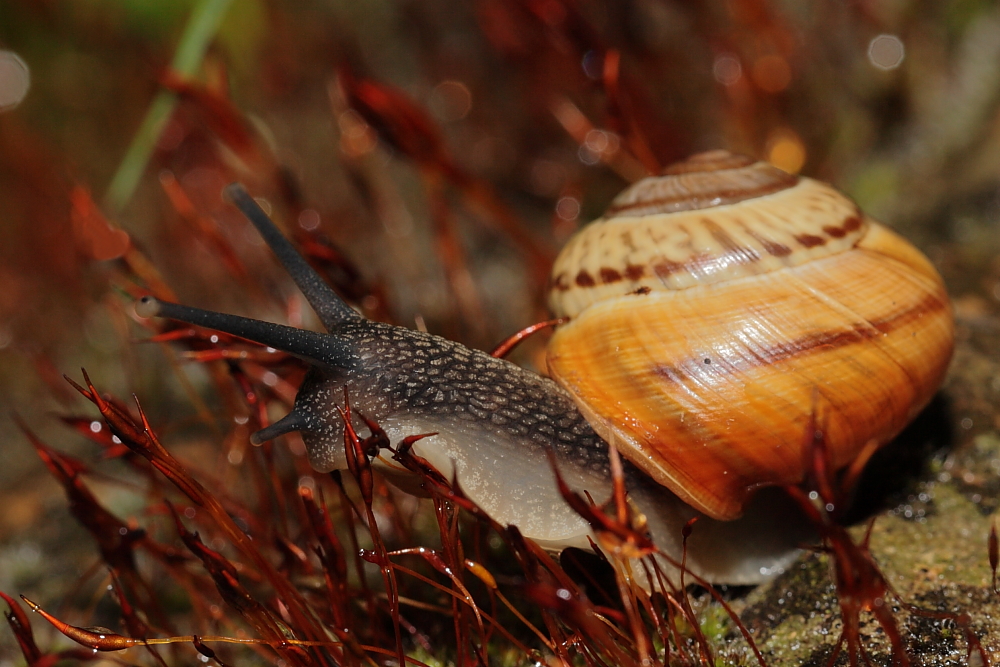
(496, 423)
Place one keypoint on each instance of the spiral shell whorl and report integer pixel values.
(708, 179)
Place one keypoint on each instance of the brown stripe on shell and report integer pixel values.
(609, 275)
(703, 181)
(810, 241)
(700, 263)
(634, 272)
(665, 267)
(681, 250)
(825, 341)
(773, 248)
(931, 303)
(734, 249)
(849, 225)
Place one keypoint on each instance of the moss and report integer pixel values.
(937, 561)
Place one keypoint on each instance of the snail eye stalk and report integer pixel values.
(330, 308)
(321, 349)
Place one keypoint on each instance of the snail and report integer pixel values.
(708, 308)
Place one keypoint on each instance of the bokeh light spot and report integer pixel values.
(356, 136)
(597, 141)
(886, 52)
(547, 177)
(771, 73)
(598, 144)
(15, 80)
(786, 150)
(727, 69)
(450, 101)
(568, 208)
(309, 219)
(587, 156)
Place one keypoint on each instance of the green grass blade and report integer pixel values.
(198, 33)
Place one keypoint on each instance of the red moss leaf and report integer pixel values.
(399, 121)
(619, 533)
(331, 554)
(202, 226)
(115, 538)
(99, 639)
(97, 238)
(218, 114)
(21, 626)
(134, 623)
(140, 438)
(226, 577)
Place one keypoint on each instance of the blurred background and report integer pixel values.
(435, 154)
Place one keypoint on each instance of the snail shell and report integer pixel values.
(716, 307)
